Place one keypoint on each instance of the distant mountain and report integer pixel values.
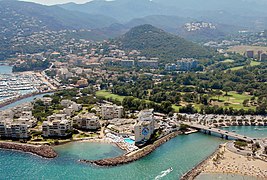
(26, 16)
(171, 24)
(248, 14)
(18, 19)
(175, 25)
(123, 10)
(154, 42)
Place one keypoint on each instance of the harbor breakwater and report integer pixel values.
(133, 156)
(44, 151)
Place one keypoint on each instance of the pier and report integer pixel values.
(224, 134)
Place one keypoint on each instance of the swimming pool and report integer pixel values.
(129, 140)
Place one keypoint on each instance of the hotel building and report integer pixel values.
(144, 127)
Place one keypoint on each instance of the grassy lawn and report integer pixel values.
(242, 49)
(235, 100)
(107, 94)
(253, 63)
(227, 61)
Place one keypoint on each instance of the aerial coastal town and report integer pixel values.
(74, 109)
(111, 96)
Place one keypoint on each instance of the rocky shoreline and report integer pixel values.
(44, 151)
(193, 173)
(128, 158)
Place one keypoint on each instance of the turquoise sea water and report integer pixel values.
(5, 69)
(251, 131)
(181, 153)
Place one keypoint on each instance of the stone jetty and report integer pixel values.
(127, 158)
(41, 150)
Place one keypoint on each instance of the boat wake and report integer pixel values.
(260, 129)
(163, 173)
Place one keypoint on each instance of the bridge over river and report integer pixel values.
(224, 134)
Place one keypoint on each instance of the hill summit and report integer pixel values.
(154, 42)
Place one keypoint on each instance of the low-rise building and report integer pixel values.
(70, 107)
(58, 117)
(56, 128)
(148, 63)
(66, 103)
(82, 83)
(87, 121)
(127, 63)
(263, 57)
(249, 54)
(186, 64)
(111, 111)
(13, 130)
(47, 101)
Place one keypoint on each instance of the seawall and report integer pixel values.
(42, 150)
(127, 158)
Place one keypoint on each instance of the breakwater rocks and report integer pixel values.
(127, 158)
(193, 173)
(42, 150)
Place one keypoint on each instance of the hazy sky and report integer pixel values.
(52, 2)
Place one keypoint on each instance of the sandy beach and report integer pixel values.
(225, 161)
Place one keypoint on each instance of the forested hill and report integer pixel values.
(154, 42)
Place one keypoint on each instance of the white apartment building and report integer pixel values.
(87, 121)
(70, 107)
(144, 127)
(111, 111)
(56, 128)
(13, 130)
(58, 117)
(27, 118)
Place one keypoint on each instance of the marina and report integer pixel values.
(17, 85)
